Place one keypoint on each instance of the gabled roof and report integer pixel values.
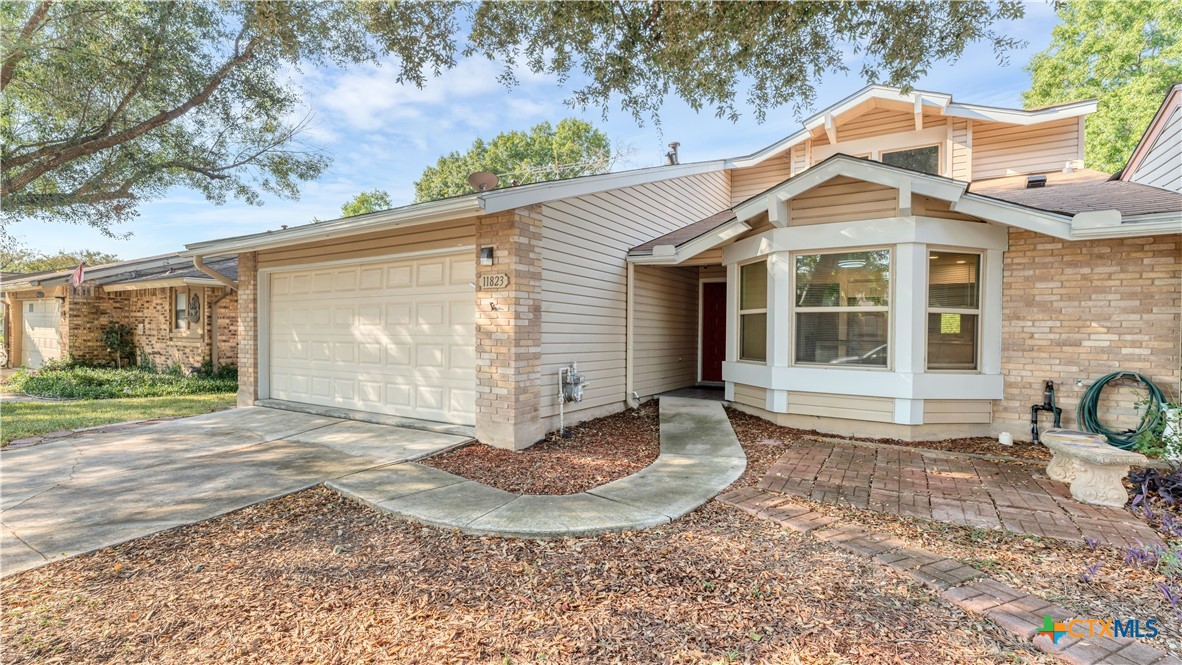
(1172, 101)
(919, 101)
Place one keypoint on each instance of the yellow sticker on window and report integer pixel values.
(950, 324)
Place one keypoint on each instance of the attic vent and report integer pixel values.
(1035, 181)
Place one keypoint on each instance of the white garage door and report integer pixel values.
(395, 337)
(42, 330)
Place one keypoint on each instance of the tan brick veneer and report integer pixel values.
(248, 342)
(509, 332)
(1079, 310)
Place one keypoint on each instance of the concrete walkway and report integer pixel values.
(86, 492)
(700, 456)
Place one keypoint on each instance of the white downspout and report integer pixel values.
(630, 397)
(199, 264)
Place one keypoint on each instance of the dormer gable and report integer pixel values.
(924, 131)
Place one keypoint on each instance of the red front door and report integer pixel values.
(713, 334)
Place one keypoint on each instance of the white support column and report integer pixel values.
(909, 308)
(991, 298)
(778, 303)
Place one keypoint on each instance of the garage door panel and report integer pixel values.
(396, 337)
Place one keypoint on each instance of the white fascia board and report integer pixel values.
(517, 197)
(859, 169)
(777, 148)
(1019, 116)
(704, 243)
(423, 213)
(1012, 214)
(97, 274)
(161, 283)
(1134, 226)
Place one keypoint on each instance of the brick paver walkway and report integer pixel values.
(951, 488)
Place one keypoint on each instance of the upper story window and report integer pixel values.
(924, 160)
(842, 308)
(954, 310)
(753, 279)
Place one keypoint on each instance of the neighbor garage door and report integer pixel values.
(42, 332)
(396, 337)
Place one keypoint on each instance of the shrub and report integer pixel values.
(77, 382)
(119, 340)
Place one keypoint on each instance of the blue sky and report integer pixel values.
(381, 136)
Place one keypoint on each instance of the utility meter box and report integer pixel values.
(573, 383)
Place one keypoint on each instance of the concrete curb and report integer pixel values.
(964, 586)
(700, 457)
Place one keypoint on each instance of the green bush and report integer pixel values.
(77, 382)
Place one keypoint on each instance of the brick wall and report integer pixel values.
(87, 311)
(1080, 310)
(509, 332)
(248, 349)
(148, 312)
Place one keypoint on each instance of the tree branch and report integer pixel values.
(10, 60)
(53, 157)
(149, 62)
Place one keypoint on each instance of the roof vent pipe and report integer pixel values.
(671, 156)
(1035, 181)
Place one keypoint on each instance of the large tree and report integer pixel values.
(545, 152)
(1125, 54)
(107, 104)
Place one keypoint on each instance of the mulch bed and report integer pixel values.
(315, 578)
(773, 435)
(595, 453)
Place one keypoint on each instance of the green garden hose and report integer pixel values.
(1126, 439)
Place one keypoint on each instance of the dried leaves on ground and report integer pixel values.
(315, 578)
(594, 453)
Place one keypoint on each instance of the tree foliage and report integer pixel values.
(367, 202)
(1125, 54)
(21, 259)
(107, 104)
(545, 152)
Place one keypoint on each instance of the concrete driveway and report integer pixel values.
(79, 494)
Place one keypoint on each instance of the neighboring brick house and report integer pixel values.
(177, 314)
(891, 269)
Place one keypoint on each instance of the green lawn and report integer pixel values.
(22, 419)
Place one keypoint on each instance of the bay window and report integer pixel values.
(954, 309)
(842, 306)
(753, 279)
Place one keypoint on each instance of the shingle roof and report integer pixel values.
(1081, 191)
(686, 233)
(227, 267)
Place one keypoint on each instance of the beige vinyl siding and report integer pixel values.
(748, 182)
(962, 150)
(1000, 149)
(880, 122)
(929, 207)
(876, 409)
(584, 275)
(751, 395)
(424, 237)
(665, 337)
(1162, 166)
(799, 157)
(843, 199)
(957, 411)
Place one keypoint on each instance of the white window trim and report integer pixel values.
(740, 312)
(876, 145)
(793, 310)
(928, 309)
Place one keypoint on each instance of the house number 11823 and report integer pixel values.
(496, 281)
